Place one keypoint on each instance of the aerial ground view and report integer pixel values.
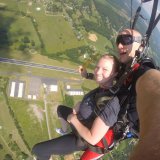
(42, 43)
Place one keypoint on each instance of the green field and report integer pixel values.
(101, 43)
(28, 122)
(56, 33)
(9, 132)
(47, 34)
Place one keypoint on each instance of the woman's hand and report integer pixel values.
(82, 71)
(76, 108)
(71, 117)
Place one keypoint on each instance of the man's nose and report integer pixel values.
(120, 45)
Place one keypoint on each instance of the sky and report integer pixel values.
(148, 7)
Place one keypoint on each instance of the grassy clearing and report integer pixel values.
(10, 4)
(9, 128)
(53, 118)
(55, 31)
(19, 31)
(106, 9)
(33, 130)
(101, 43)
(60, 36)
(13, 24)
(122, 152)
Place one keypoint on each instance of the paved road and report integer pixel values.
(37, 65)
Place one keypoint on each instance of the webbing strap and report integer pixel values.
(120, 82)
(96, 149)
(105, 143)
(136, 16)
(156, 20)
(101, 150)
(152, 20)
(146, 1)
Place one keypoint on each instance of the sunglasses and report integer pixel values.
(127, 39)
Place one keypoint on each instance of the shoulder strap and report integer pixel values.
(90, 93)
(148, 61)
(101, 100)
(153, 20)
(101, 150)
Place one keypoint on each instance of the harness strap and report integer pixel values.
(145, 1)
(136, 16)
(96, 149)
(152, 21)
(156, 20)
(105, 143)
(101, 150)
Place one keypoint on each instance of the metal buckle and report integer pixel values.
(114, 89)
